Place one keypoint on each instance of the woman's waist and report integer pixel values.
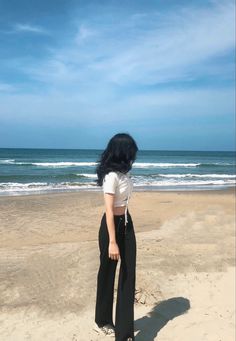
(117, 214)
(120, 210)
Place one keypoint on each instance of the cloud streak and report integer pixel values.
(173, 47)
(27, 28)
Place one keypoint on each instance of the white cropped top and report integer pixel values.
(121, 185)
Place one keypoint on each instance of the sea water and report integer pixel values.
(27, 171)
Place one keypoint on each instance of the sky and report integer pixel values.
(74, 73)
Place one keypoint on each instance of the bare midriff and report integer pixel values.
(119, 210)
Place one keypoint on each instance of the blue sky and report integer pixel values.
(73, 73)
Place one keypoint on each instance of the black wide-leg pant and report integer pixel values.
(126, 240)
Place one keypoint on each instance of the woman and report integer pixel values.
(116, 239)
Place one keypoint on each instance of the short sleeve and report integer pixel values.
(110, 183)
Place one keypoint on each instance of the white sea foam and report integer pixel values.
(7, 161)
(50, 164)
(185, 183)
(135, 164)
(163, 164)
(63, 164)
(21, 186)
(15, 187)
(39, 186)
(197, 175)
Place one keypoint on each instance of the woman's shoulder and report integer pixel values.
(111, 175)
(116, 174)
(110, 182)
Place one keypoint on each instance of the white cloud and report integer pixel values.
(29, 28)
(176, 46)
(102, 70)
(129, 74)
(84, 33)
(171, 51)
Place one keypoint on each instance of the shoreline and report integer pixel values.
(229, 189)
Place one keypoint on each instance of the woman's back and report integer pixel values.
(121, 185)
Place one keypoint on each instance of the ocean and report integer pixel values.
(32, 171)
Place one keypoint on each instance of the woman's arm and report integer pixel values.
(113, 247)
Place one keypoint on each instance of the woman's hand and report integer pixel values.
(113, 251)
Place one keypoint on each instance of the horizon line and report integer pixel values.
(157, 150)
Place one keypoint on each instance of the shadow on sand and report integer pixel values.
(149, 326)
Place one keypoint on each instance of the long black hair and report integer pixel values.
(119, 155)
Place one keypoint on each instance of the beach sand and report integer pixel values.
(185, 282)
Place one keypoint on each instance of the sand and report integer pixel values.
(185, 282)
